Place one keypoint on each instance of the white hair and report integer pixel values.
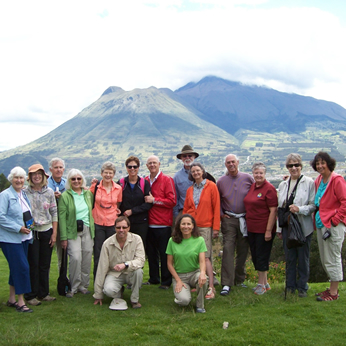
(16, 172)
(236, 157)
(72, 173)
(56, 159)
(158, 160)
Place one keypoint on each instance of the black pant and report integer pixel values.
(101, 234)
(142, 230)
(39, 257)
(156, 249)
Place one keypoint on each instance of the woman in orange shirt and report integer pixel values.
(107, 196)
(202, 202)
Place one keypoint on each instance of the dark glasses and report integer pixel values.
(185, 155)
(134, 167)
(78, 178)
(294, 165)
(121, 227)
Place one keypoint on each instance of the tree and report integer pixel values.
(4, 183)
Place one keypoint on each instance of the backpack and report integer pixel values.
(141, 183)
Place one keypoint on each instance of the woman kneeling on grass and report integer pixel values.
(186, 262)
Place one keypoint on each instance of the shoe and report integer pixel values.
(327, 297)
(136, 305)
(24, 308)
(267, 286)
(211, 293)
(200, 310)
(84, 291)
(322, 293)
(69, 294)
(260, 289)
(242, 285)
(34, 302)
(149, 283)
(12, 305)
(164, 287)
(48, 298)
(225, 290)
(302, 294)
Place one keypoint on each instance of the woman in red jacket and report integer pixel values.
(330, 219)
(202, 202)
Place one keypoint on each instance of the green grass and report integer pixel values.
(253, 320)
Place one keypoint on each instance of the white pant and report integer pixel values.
(330, 251)
(113, 285)
(80, 253)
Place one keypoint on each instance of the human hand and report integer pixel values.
(128, 212)
(94, 181)
(57, 194)
(279, 235)
(179, 286)
(149, 199)
(225, 216)
(268, 236)
(98, 301)
(52, 240)
(294, 208)
(64, 244)
(119, 267)
(215, 233)
(202, 280)
(24, 230)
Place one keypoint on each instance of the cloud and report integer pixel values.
(58, 59)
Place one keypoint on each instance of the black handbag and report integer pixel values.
(64, 284)
(295, 234)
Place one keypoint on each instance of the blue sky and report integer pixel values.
(58, 59)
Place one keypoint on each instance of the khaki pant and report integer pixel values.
(112, 286)
(206, 233)
(183, 298)
(80, 253)
(233, 240)
(330, 251)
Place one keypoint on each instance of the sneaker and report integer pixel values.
(69, 294)
(48, 298)
(302, 294)
(260, 289)
(200, 310)
(267, 286)
(242, 285)
(84, 291)
(211, 293)
(33, 302)
(225, 290)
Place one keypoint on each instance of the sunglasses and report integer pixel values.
(187, 155)
(121, 227)
(294, 165)
(78, 178)
(134, 167)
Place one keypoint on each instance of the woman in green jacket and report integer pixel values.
(77, 232)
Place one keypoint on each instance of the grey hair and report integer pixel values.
(72, 173)
(56, 159)
(16, 172)
(197, 164)
(294, 157)
(259, 165)
(158, 160)
(236, 157)
(108, 165)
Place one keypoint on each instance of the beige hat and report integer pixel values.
(118, 304)
(187, 149)
(37, 167)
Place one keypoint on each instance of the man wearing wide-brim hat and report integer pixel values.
(181, 178)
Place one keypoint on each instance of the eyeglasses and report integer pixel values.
(294, 165)
(134, 167)
(185, 155)
(78, 178)
(121, 227)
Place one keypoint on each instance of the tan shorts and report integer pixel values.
(206, 233)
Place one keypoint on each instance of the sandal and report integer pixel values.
(210, 294)
(327, 298)
(12, 305)
(225, 290)
(23, 308)
(321, 294)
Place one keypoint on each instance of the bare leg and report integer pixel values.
(12, 297)
(334, 287)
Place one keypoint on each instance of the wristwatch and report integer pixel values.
(126, 265)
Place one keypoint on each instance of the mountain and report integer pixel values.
(233, 106)
(215, 116)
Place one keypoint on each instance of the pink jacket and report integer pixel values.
(333, 202)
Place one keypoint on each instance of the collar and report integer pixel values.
(199, 186)
(152, 181)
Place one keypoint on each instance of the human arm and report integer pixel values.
(54, 233)
(144, 206)
(168, 199)
(215, 199)
(304, 201)
(340, 193)
(8, 222)
(179, 284)
(270, 223)
(138, 259)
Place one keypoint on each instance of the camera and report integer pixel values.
(326, 234)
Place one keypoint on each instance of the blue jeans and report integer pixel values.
(297, 264)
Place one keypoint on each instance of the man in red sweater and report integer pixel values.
(163, 196)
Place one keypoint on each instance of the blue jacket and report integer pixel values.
(11, 216)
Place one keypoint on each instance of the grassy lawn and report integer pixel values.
(253, 320)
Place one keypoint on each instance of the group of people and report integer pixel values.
(172, 221)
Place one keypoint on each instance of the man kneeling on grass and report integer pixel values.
(121, 261)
